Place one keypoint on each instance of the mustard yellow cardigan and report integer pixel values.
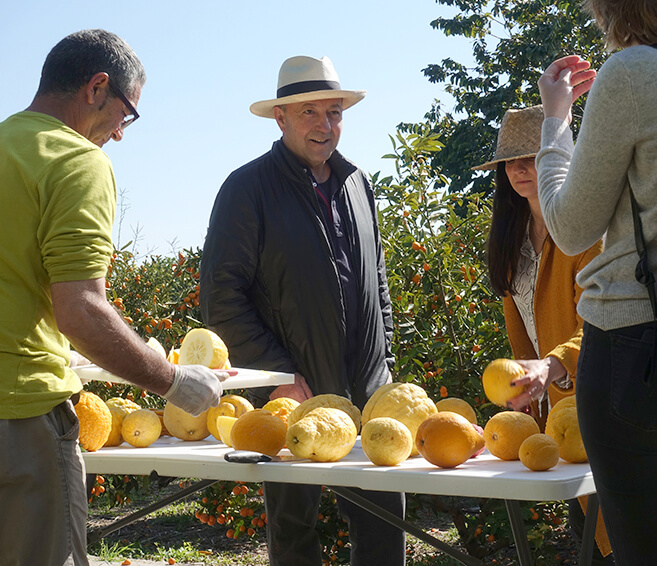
(558, 328)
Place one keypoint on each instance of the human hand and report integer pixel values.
(562, 83)
(538, 376)
(299, 390)
(195, 388)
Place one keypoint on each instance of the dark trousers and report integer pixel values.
(617, 408)
(292, 540)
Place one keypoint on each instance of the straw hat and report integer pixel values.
(306, 78)
(519, 136)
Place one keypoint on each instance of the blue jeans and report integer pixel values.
(292, 540)
(617, 408)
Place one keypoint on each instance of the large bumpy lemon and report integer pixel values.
(497, 379)
(386, 441)
(324, 434)
(95, 421)
(447, 439)
(506, 431)
(141, 428)
(183, 425)
(459, 406)
(406, 402)
(563, 426)
(260, 431)
(282, 407)
(539, 452)
(203, 347)
(119, 408)
(325, 400)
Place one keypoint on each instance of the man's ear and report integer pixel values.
(98, 83)
(279, 116)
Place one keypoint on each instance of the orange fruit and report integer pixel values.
(539, 452)
(497, 379)
(563, 426)
(260, 431)
(456, 405)
(95, 421)
(506, 431)
(447, 439)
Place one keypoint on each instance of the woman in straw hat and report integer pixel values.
(536, 281)
(607, 184)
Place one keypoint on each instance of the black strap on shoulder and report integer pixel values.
(642, 271)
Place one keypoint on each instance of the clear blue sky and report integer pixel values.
(206, 62)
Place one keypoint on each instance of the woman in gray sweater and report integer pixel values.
(584, 192)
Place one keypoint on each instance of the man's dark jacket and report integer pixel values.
(270, 285)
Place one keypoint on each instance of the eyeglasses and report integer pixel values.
(133, 115)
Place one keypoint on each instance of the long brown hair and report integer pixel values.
(625, 22)
(507, 231)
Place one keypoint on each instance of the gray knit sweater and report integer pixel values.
(584, 189)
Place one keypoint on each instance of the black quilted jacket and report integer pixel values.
(269, 284)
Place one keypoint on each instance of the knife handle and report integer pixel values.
(246, 457)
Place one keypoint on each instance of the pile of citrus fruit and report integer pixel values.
(399, 421)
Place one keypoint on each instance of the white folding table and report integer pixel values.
(483, 476)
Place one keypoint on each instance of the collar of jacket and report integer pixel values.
(292, 168)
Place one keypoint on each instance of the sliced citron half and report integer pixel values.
(155, 344)
(203, 347)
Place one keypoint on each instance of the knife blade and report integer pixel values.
(252, 457)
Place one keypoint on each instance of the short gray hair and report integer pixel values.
(79, 56)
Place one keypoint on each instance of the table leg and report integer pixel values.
(588, 535)
(519, 532)
(96, 535)
(385, 515)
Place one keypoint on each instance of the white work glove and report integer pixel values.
(195, 389)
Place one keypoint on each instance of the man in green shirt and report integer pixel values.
(57, 206)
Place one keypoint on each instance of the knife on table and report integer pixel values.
(251, 457)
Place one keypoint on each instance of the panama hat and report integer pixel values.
(306, 78)
(519, 136)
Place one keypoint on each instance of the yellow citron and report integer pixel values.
(497, 379)
(459, 406)
(386, 441)
(406, 402)
(539, 452)
(282, 407)
(183, 425)
(203, 347)
(119, 408)
(325, 434)
(569, 401)
(325, 400)
(230, 406)
(506, 431)
(447, 439)
(563, 426)
(95, 421)
(241, 404)
(223, 426)
(260, 431)
(155, 344)
(141, 428)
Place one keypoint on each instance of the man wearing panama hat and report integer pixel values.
(293, 279)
